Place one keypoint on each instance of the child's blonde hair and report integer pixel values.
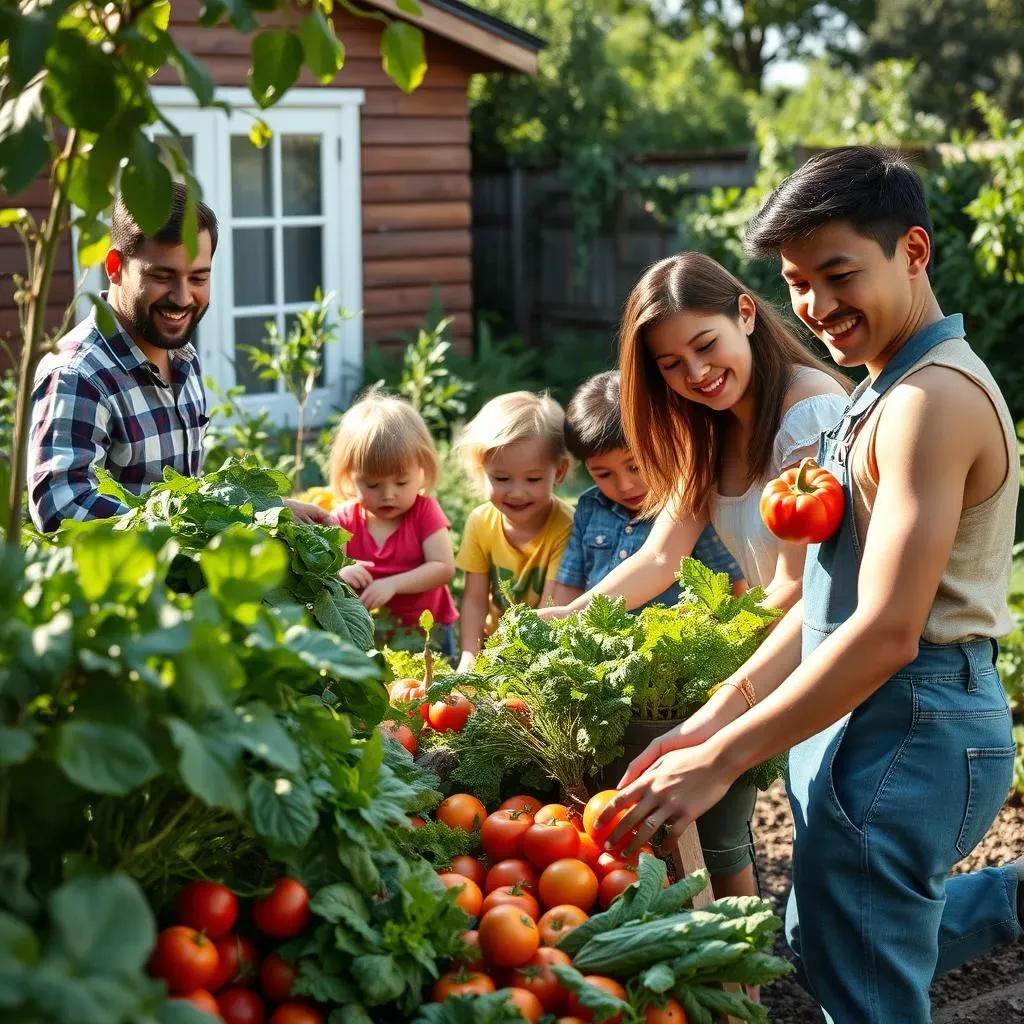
(381, 435)
(517, 416)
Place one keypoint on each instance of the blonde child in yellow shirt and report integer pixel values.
(514, 450)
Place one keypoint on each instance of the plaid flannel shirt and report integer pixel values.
(98, 402)
(605, 533)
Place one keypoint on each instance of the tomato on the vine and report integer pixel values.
(201, 999)
(544, 844)
(501, 833)
(537, 977)
(614, 883)
(508, 937)
(528, 1005)
(469, 867)
(530, 804)
(400, 732)
(450, 714)
(514, 871)
(461, 983)
(609, 985)
(237, 959)
(462, 810)
(184, 958)
(240, 1006)
(469, 896)
(209, 907)
(285, 912)
(568, 881)
(558, 922)
(595, 805)
(511, 895)
(277, 977)
(671, 1013)
(296, 1013)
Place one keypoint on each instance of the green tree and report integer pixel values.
(959, 47)
(75, 99)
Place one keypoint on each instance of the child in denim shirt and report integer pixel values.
(605, 528)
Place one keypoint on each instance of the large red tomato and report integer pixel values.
(568, 881)
(450, 714)
(537, 977)
(208, 907)
(595, 805)
(544, 844)
(184, 958)
(285, 912)
(501, 833)
(610, 985)
(237, 958)
(530, 804)
(240, 1006)
(508, 937)
(462, 810)
(277, 977)
(614, 883)
(511, 872)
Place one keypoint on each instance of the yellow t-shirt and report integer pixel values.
(486, 549)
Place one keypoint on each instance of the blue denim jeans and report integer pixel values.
(887, 799)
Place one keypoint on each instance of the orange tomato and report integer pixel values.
(551, 812)
(469, 867)
(513, 895)
(537, 977)
(470, 898)
(570, 1020)
(526, 1003)
(558, 922)
(462, 810)
(399, 732)
(543, 844)
(614, 883)
(530, 804)
(460, 983)
(416, 821)
(670, 1013)
(568, 881)
(508, 937)
(595, 805)
(511, 872)
(609, 985)
(589, 853)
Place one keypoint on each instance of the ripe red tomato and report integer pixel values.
(508, 937)
(276, 978)
(416, 821)
(551, 812)
(595, 805)
(511, 872)
(570, 1020)
(473, 958)
(470, 897)
(208, 907)
(407, 690)
(462, 810)
(530, 804)
(470, 867)
(544, 844)
(670, 1013)
(201, 1000)
(400, 732)
(285, 912)
(528, 1005)
(236, 962)
(568, 881)
(519, 708)
(558, 922)
(589, 852)
(296, 1013)
(450, 714)
(614, 883)
(513, 895)
(610, 985)
(610, 861)
(460, 983)
(501, 833)
(184, 958)
(240, 1006)
(537, 977)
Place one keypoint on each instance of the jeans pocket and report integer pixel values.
(989, 776)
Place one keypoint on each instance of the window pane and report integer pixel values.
(251, 330)
(300, 174)
(251, 191)
(254, 266)
(303, 263)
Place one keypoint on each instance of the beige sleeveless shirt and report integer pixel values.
(971, 600)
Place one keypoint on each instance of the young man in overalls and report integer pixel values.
(882, 680)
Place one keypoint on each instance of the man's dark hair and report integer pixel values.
(128, 238)
(593, 420)
(876, 191)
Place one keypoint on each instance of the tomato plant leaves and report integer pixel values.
(282, 811)
(104, 758)
(209, 765)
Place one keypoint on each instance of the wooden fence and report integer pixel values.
(526, 266)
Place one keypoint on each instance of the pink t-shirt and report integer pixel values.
(401, 552)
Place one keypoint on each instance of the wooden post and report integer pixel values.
(689, 857)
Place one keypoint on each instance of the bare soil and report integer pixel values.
(989, 990)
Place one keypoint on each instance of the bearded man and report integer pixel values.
(130, 401)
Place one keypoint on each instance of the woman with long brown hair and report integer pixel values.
(718, 397)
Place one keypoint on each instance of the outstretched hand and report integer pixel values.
(305, 512)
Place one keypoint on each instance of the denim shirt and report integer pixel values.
(605, 533)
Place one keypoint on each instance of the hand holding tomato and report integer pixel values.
(804, 505)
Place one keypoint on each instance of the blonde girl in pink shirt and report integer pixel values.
(383, 461)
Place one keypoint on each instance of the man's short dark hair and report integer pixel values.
(128, 238)
(876, 191)
(593, 418)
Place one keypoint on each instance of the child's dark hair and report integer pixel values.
(128, 238)
(593, 418)
(874, 190)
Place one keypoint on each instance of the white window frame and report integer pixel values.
(333, 114)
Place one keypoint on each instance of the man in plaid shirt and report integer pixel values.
(129, 400)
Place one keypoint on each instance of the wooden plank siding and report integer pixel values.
(415, 164)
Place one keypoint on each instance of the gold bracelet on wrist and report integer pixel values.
(746, 688)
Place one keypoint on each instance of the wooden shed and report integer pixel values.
(363, 190)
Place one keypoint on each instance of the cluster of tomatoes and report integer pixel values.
(545, 871)
(206, 961)
(448, 715)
